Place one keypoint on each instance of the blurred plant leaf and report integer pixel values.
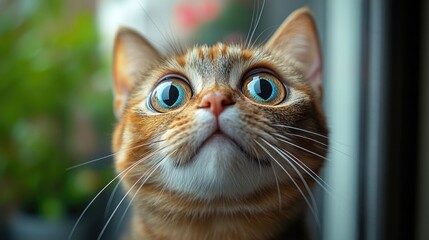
(49, 61)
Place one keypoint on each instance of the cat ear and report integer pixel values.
(297, 38)
(132, 55)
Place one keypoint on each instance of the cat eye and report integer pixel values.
(264, 87)
(170, 94)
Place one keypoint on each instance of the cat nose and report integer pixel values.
(216, 101)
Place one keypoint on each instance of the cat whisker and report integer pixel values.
(310, 193)
(259, 15)
(303, 148)
(259, 163)
(278, 187)
(302, 130)
(109, 202)
(266, 38)
(96, 196)
(313, 140)
(251, 24)
(157, 28)
(156, 165)
(172, 42)
(122, 176)
(257, 22)
(290, 177)
(152, 169)
(112, 154)
(301, 136)
(325, 186)
(263, 32)
(112, 194)
(178, 47)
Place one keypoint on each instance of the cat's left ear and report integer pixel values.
(132, 55)
(297, 38)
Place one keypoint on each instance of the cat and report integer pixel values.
(221, 141)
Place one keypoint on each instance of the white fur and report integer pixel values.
(219, 168)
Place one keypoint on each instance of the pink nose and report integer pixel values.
(216, 101)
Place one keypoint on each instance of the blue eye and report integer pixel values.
(264, 88)
(170, 94)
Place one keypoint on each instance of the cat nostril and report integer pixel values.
(226, 102)
(216, 101)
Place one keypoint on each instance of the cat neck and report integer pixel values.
(266, 225)
(155, 219)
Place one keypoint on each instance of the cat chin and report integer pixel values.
(219, 169)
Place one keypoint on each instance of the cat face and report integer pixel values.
(223, 121)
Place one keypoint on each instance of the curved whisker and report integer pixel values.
(122, 176)
(316, 134)
(276, 149)
(325, 186)
(313, 140)
(302, 136)
(302, 130)
(263, 32)
(109, 202)
(257, 22)
(96, 196)
(113, 154)
(177, 45)
(152, 169)
(132, 199)
(290, 177)
(278, 188)
(304, 149)
(251, 24)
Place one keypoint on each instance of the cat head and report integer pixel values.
(224, 121)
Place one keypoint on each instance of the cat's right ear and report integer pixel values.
(297, 39)
(132, 55)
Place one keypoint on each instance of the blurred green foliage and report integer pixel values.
(51, 73)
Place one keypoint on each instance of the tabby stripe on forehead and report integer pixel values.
(246, 54)
(213, 53)
(181, 60)
(224, 49)
(200, 53)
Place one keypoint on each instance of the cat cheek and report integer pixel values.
(124, 136)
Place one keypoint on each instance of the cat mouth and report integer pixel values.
(219, 138)
(218, 134)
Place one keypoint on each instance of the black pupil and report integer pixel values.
(263, 88)
(169, 95)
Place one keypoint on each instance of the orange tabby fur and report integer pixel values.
(142, 138)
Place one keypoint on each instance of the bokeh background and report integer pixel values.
(56, 115)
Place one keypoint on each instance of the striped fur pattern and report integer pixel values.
(243, 173)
